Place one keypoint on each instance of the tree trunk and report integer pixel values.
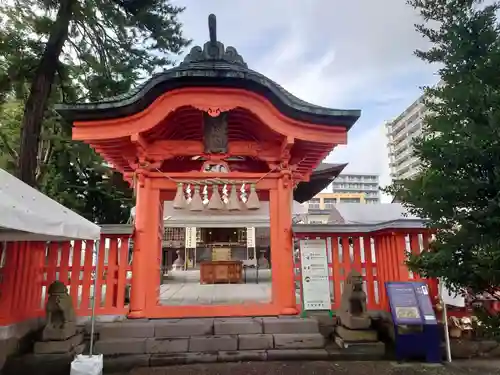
(40, 92)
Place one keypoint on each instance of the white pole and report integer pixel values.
(445, 318)
(92, 317)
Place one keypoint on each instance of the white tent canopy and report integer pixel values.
(28, 215)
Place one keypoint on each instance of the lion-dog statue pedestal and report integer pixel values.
(354, 329)
(60, 334)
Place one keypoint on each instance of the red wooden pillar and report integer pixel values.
(145, 244)
(283, 280)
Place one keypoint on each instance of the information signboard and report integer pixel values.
(411, 306)
(314, 267)
(410, 303)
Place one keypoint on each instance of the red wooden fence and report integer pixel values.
(28, 268)
(379, 257)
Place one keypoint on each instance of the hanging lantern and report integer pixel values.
(216, 202)
(196, 202)
(180, 198)
(253, 202)
(233, 203)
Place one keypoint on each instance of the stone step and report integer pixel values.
(173, 328)
(209, 343)
(124, 363)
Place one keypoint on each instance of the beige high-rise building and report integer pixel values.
(400, 133)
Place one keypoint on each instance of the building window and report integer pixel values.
(314, 204)
(349, 200)
(329, 203)
(174, 234)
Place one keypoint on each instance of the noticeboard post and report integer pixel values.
(315, 278)
(415, 325)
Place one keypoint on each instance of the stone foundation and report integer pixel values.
(181, 341)
(18, 338)
(60, 346)
(126, 344)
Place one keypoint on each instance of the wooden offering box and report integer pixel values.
(222, 271)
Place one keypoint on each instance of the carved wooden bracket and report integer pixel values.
(211, 110)
(286, 147)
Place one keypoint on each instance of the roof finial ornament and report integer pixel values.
(213, 51)
(212, 28)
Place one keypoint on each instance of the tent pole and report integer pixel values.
(92, 317)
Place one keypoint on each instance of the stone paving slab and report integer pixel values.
(126, 363)
(213, 343)
(158, 360)
(242, 355)
(125, 330)
(255, 342)
(297, 354)
(314, 368)
(167, 345)
(235, 326)
(55, 347)
(299, 341)
(183, 328)
(121, 346)
(290, 325)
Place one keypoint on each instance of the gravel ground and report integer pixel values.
(324, 368)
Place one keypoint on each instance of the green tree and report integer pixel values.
(75, 50)
(91, 48)
(458, 189)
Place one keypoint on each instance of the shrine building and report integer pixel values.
(217, 155)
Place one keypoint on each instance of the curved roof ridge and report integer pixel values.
(210, 66)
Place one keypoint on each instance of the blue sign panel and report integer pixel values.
(410, 306)
(424, 302)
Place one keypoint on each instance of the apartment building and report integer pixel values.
(347, 188)
(356, 188)
(400, 133)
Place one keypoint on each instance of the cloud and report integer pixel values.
(336, 53)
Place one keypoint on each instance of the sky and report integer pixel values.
(345, 54)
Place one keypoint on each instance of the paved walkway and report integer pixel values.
(322, 368)
(184, 288)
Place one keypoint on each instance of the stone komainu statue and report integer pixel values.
(60, 314)
(353, 313)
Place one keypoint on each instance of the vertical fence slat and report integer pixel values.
(87, 277)
(76, 268)
(64, 265)
(26, 280)
(370, 286)
(356, 261)
(19, 278)
(336, 272)
(382, 275)
(122, 272)
(111, 274)
(51, 268)
(100, 274)
(38, 272)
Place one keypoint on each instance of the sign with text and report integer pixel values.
(410, 303)
(190, 241)
(250, 237)
(314, 268)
